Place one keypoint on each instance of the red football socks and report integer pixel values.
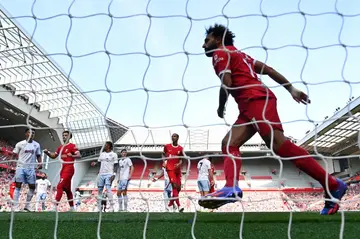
(70, 197)
(59, 193)
(175, 193)
(307, 164)
(229, 166)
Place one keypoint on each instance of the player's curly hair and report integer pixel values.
(219, 30)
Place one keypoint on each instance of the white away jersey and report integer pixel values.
(28, 153)
(203, 168)
(107, 159)
(124, 168)
(42, 186)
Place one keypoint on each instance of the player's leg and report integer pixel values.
(241, 132)
(125, 196)
(178, 189)
(172, 179)
(200, 186)
(30, 176)
(43, 200)
(59, 191)
(38, 200)
(167, 194)
(120, 197)
(100, 184)
(272, 133)
(19, 180)
(67, 189)
(109, 192)
(121, 188)
(201, 189)
(205, 187)
(231, 144)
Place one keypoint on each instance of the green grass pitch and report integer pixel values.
(176, 225)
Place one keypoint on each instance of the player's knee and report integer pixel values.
(230, 142)
(274, 141)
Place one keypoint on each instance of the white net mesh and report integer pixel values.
(141, 64)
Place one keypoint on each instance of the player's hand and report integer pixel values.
(221, 112)
(212, 183)
(93, 164)
(69, 154)
(154, 179)
(39, 166)
(46, 151)
(299, 96)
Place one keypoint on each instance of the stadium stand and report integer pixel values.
(26, 69)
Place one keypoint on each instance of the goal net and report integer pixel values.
(135, 73)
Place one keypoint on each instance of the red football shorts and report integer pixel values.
(174, 176)
(65, 181)
(212, 189)
(253, 111)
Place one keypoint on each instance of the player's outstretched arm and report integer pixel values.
(263, 69)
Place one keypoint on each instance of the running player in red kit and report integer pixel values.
(69, 153)
(173, 168)
(257, 104)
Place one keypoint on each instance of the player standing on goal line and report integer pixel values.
(173, 168)
(236, 69)
(126, 169)
(28, 152)
(205, 176)
(69, 153)
(42, 186)
(108, 158)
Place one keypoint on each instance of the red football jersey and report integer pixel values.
(12, 189)
(171, 152)
(68, 148)
(241, 67)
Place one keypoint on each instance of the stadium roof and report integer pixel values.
(337, 133)
(204, 139)
(30, 74)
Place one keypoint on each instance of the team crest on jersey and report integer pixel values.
(217, 59)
